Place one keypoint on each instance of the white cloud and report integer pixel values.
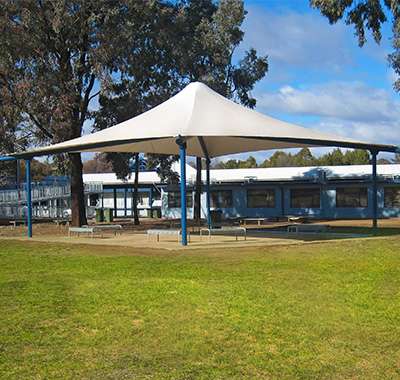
(381, 133)
(343, 100)
(298, 41)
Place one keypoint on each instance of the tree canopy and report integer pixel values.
(303, 158)
(56, 55)
(367, 15)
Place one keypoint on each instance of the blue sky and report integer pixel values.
(318, 76)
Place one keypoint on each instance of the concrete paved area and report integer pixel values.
(135, 236)
(170, 242)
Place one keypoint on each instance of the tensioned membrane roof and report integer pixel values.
(211, 124)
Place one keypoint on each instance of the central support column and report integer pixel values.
(208, 161)
(182, 147)
(29, 196)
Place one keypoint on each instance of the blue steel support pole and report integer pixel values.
(17, 173)
(115, 202)
(29, 196)
(208, 192)
(131, 203)
(374, 194)
(125, 202)
(182, 147)
(151, 198)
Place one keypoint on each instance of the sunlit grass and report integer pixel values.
(314, 311)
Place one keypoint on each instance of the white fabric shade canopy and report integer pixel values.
(199, 114)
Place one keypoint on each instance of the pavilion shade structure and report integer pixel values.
(201, 123)
(210, 124)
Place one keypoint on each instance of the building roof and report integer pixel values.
(261, 174)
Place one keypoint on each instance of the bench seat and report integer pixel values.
(106, 227)
(165, 232)
(81, 230)
(316, 228)
(258, 221)
(17, 222)
(223, 231)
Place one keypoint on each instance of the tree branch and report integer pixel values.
(87, 98)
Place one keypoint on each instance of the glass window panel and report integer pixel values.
(351, 197)
(174, 199)
(258, 198)
(305, 197)
(221, 198)
(392, 196)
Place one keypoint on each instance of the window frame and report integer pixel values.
(227, 200)
(351, 190)
(269, 197)
(174, 199)
(394, 202)
(305, 192)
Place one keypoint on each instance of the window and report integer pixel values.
(221, 198)
(260, 198)
(309, 197)
(174, 199)
(351, 197)
(392, 196)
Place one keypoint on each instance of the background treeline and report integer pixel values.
(305, 158)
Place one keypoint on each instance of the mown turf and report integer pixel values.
(313, 311)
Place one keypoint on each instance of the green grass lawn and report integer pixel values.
(312, 311)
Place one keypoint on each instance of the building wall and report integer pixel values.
(327, 207)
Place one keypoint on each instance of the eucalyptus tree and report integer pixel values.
(56, 56)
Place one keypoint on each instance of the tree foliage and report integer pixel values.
(250, 162)
(53, 53)
(98, 164)
(366, 15)
(303, 158)
(57, 55)
(39, 171)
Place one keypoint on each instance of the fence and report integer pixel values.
(13, 202)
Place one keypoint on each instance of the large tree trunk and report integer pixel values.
(197, 195)
(78, 209)
(135, 191)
